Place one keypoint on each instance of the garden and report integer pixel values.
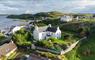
(57, 45)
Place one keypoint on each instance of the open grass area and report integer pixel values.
(58, 41)
(84, 51)
(87, 49)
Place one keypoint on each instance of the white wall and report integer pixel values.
(66, 18)
(39, 35)
(15, 29)
(58, 34)
(36, 35)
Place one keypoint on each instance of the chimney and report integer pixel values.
(58, 28)
(12, 41)
(49, 25)
(36, 27)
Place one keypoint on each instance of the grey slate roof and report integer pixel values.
(51, 29)
(46, 28)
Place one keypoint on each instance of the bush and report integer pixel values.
(44, 43)
(22, 37)
(48, 54)
(67, 37)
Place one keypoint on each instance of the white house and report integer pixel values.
(17, 28)
(77, 18)
(66, 18)
(46, 32)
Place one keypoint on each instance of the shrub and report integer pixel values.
(22, 37)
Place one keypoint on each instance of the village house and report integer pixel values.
(7, 49)
(46, 32)
(16, 28)
(66, 18)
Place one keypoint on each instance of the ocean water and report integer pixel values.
(7, 23)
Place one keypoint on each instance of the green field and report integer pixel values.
(84, 51)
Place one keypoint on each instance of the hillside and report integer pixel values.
(84, 51)
(52, 14)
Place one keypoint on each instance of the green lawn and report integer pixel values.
(58, 41)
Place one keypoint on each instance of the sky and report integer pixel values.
(35, 6)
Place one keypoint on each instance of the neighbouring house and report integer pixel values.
(17, 28)
(46, 32)
(66, 18)
(7, 49)
(76, 18)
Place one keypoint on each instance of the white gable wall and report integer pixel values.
(58, 33)
(36, 35)
(39, 35)
(42, 35)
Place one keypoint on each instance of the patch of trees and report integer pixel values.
(52, 43)
(3, 39)
(22, 16)
(84, 31)
(22, 38)
(2, 36)
(49, 55)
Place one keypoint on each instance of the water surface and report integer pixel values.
(7, 23)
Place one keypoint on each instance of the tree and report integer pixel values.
(22, 38)
(84, 31)
(67, 37)
(44, 43)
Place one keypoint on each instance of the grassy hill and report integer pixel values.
(53, 14)
(84, 51)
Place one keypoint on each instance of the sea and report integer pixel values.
(6, 23)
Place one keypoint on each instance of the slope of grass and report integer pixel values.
(87, 49)
(84, 51)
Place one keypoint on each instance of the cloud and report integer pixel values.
(70, 6)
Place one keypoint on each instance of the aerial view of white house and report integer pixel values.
(47, 29)
(46, 32)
